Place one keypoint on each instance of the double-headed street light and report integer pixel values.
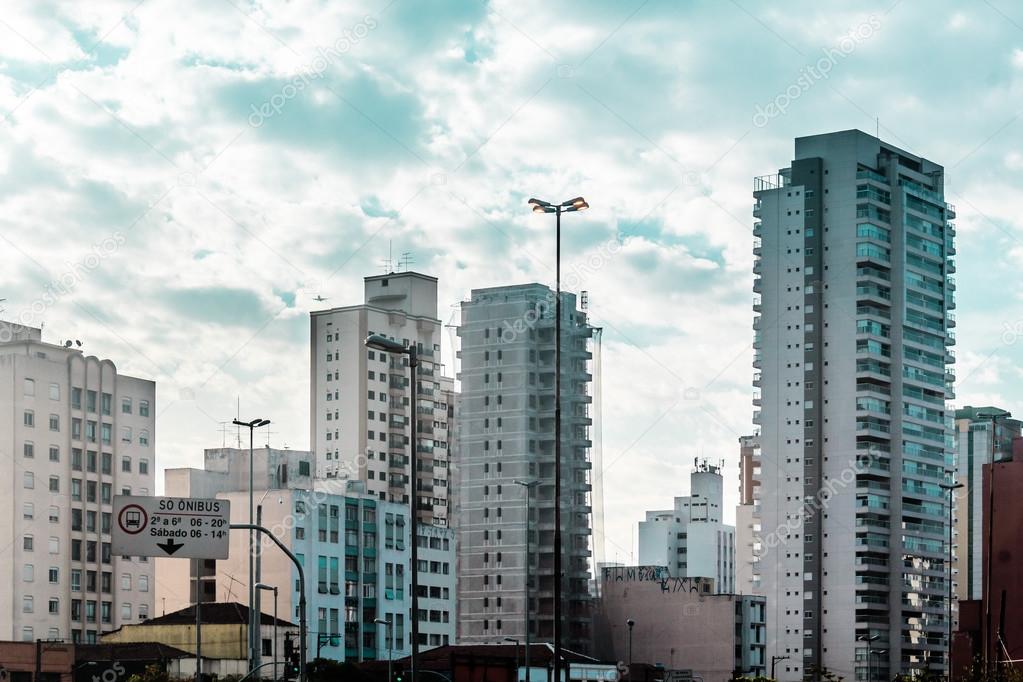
(386, 345)
(253, 618)
(541, 206)
(870, 652)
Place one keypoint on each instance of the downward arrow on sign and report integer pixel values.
(169, 546)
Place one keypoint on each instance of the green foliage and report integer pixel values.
(153, 673)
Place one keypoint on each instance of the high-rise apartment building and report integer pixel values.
(975, 450)
(73, 433)
(360, 408)
(854, 296)
(506, 434)
(690, 539)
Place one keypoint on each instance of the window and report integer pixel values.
(125, 434)
(125, 611)
(28, 604)
(27, 543)
(144, 583)
(28, 480)
(54, 545)
(143, 408)
(28, 450)
(54, 606)
(126, 581)
(54, 514)
(28, 573)
(76, 490)
(54, 484)
(30, 387)
(54, 422)
(125, 405)
(107, 463)
(76, 428)
(76, 459)
(107, 401)
(53, 575)
(30, 418)
(126, 464)
(28, 511)
(143, 466)
(106, 433)
(90, 401)
(90, 431)
(143, 436)
(54, 453)
(76, 398)
(76, 580)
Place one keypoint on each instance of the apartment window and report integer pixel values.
(106, 612)
(76, 490)
(28, 604)
(125, 405)
(54, 453)
(28, 511)
(54, 545)
(30, 418)
(125, 434)
(90, 401)
(28, 573)
(126, 581)
(54, 422)
(76, 398)
(143, 408)
(144, 582)
(106, 402)
(30, 387)
(126, 464)
(106, 464)
(54, 484)
(125, 611)
(106, 433)
(144, 466)
(90, 431)
(53, 575)
(76, 580)
(54, 606)
(28, 480)
(54, 514)
(27, 543)
(28, 450)
(143, 434)
(76, 459)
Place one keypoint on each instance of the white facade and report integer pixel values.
(690, 539)
(73, 433)
(360, 397)
(853, 295)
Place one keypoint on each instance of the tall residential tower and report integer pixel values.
(506, 434)
(853, 295)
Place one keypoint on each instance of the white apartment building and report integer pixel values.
(360, 397)
(690, 539)
(73, 433)
(506, 434)
(853, 295)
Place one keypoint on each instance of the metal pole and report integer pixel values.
(870, 669)
(557, 450)
(528, 592)
(302, 623)
(275, 634)
(252, 553)
(390, 650)
(258, 593)
(198, 622)
(414, 507)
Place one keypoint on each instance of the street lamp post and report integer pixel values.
(540, 206)
(382, 343)
(390, 658)
(272, 588)
(516, 642)
(869, 640)
(951, 488)
(528, 486)
(774, 660)
(631, 623)
(253, 620)
(994, 416)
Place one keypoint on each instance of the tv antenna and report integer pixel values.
(406, 260)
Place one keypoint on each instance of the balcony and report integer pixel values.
(756, 379)
(757, 305)
(756, 209)
(950, 319)
(758, 229)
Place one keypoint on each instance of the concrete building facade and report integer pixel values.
(853, 300)
(506, 434)
(359, 398)
(684, 624)
(690, 539)
(747, 527)
(73, 433)
(975, 450)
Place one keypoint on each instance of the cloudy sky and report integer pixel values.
(177, 181)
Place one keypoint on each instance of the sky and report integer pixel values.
(179, 180)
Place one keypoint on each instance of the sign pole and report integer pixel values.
(198, 624)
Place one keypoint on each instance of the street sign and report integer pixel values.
(181, 527)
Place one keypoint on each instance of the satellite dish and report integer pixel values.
(77, 343)
(67, 344)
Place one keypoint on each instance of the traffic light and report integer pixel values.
(292, 660)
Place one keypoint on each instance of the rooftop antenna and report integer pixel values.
(877, 127)
(238, 416)
(223, 431)
(406, 260)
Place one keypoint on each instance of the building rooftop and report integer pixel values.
(127, 651)
(215, 613)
